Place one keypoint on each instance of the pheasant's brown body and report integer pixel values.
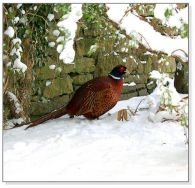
(92, 99)
(95, 97)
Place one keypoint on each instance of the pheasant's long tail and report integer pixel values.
(52, 115)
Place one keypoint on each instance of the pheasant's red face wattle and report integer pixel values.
(122, 69)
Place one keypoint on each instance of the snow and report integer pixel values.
(130, 84)
(174, 19)
(19, 5)
(59, 48)
(18, 64)
(52, 66)
(15, 20)
(51, 44)
(23, 11)
(50, 17)
(80, 38)
(99, 150)
(9, 64)
(12, 122)
(155, 74)
(12, 97)
(56, 33)
(69, 24)
(59, 69)
(48, 83)
(16, 40)
(124, 60)
(163, 79)
(9, 32)
(159, 11)
(136, 27)
(16, 51)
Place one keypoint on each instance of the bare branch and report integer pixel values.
(145, 40)
(180, 50)
(138, 105)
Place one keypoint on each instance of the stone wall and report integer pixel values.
(48, 97)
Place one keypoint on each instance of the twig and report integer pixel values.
(38, 16)
(125, 15)
(131, 111)
(145, 40)
(185, 98)
(180, 60)
(138, 106)
(180, 50)
(172, 120)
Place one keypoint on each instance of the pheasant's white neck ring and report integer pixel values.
(114, 77)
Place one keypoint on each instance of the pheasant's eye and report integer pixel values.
(122, 69)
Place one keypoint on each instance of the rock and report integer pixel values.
(128, 89)
(84, 64)
(45, 73)
(137, 79)
(148, 66)
(83, 46)
(168, 66)
(105, 63)
(151, 86)
(40, 108)
(128, 96)
(81, 79)
(59, 86)
(140, 86)
(143, 92)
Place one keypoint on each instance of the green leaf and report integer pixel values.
(167, 13)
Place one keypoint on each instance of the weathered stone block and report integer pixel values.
(140, 68)
(148, 66)
(83, 46)
(58, 87)
(128, 96)
(106, 63)
(151, 86)
(108, 44)
(128, 89)
(39, 108)
(81, 79)
(143, 92)
(45, 73)
(169, 65)
(138, 79)
(66, 68)
(140, 86)
(84, 64)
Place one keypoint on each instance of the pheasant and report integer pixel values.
(92, 99)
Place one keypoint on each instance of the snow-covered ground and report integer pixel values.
(100, 150)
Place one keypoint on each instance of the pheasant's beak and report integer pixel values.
(127, 71)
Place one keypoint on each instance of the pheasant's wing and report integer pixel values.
(96, 95)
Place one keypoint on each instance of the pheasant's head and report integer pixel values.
(118, 72)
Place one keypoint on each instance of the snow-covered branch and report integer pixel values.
(127, 20)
